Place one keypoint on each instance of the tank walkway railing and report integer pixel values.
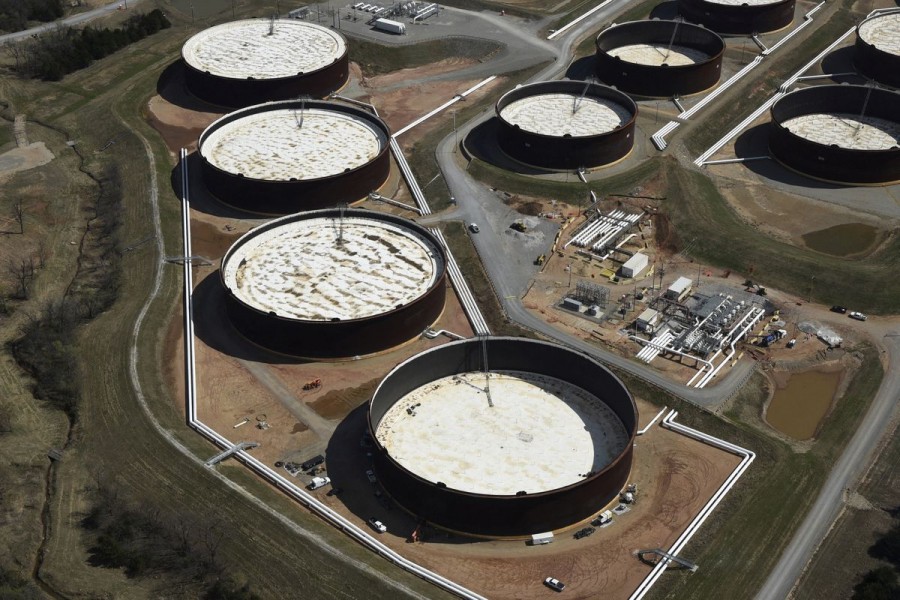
(783, 89)
(747, 458)
(476, 319)
(264, 471)
(659, 138)
(669, 557)
(225, 454)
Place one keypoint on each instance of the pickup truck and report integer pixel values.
(318, 482)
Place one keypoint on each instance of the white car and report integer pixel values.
(858, 316)
(377, 525)
(473, 227)
(555, 584)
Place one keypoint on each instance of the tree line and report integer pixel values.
(64, 49)
(881, 583)
(15, 14)
(147, 541)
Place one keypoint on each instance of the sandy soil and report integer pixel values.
(21, 159)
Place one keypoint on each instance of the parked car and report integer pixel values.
(858, 316)
(313, 462)
(586, 531)
(370, 474)
(839, 309)
(473, 227)
(554, 584)
(377, 525)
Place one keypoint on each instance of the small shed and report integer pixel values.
(679, 290)
(635, 265)
(648, 320)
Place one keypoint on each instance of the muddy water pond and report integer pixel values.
(797, 408)
(842, 240)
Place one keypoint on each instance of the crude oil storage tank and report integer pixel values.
(739, 16)
(566, 124)
(283, 157)
(502, 437)
(659, 58)
(257, 60)
(335, 283)
(878, 48)
(840, 133)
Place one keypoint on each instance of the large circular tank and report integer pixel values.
(539, 443)
(839, 133)
(739, 16)
(283, 157)
(334, 284)
(258, 60)
(878, 48)
(659, 58)
(566, 124)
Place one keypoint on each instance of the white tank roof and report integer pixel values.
(656, 55)
(541, 434)
(326, 268)
(243, 49)
(853, 132)
(883, 32)
(559, 114)
(293, 143)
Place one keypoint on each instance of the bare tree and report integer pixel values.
(22, 272)
(20, 216)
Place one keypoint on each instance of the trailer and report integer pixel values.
(539, 539)
(389, 26)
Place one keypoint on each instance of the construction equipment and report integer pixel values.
(313, 384)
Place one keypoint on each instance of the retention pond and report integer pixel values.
(798, 408)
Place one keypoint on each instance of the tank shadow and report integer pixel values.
(348, 461)
(481, 143)
(211, 325)
(584, 68)
(754, 142)
(665, 10)
(841, 62)
(171, 87)
(200, 198)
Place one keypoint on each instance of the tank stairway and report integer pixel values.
(670, 557)
(236, 448)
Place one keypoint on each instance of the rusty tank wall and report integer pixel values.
(336, 339)
(237, 93)
(566, 152)
(494, 515)
(741, 19)
(280, 197)
(659, 81)
(875, 63)
(831, 162)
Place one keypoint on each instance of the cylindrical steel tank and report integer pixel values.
(566, 124)
(659, 58)
(334, 284)
(541, 445)
(877, 54)
(283, 157)
(840, 133)
(744, 17)
(259, 60)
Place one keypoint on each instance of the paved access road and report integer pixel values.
(73, 20)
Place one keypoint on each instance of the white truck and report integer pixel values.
(318, 482)
(389, 26)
